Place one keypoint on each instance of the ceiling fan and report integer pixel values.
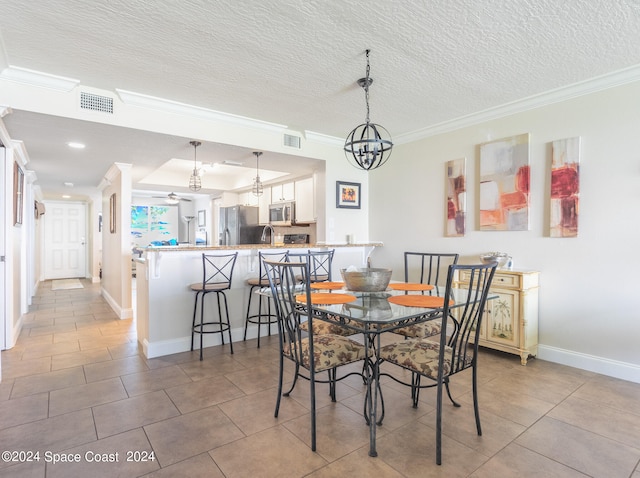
(173, 198)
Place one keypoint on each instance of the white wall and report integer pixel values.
(589, 297)
(116, 251)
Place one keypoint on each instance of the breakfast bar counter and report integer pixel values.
(164, 301)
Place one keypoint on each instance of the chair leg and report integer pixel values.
(295, 380)
(446, 384)
(476, 409)
(280, 378)
(246, 320)
(228, 321)
(202, 323)
(259, 318)
(193, 322)
(332, 383)
(415, 389)
(312, 391)
(439, 424)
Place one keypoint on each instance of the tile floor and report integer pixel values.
(75, 387)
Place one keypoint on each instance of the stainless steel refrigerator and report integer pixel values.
(239, 225)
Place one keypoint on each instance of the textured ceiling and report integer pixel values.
(296, 62)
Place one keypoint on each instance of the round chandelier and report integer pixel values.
(195, 181)
(369, 145)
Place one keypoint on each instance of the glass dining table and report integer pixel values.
(375, 313)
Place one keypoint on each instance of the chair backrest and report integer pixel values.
(320, 263)
(466, 316)
(279, 256)
(217, 269)
(428, 267)
(285, 287)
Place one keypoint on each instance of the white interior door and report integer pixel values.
(65, 239)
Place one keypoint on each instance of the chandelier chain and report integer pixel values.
(367, 82)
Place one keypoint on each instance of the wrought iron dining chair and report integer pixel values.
(428, 268)
(262, 317)
(310, 353)
(437, 361)
(217, 272)
(320, 263)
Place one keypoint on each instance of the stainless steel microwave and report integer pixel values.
(282, 213)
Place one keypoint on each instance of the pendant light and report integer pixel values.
(366, 147)
(195, 181)
(257, 188)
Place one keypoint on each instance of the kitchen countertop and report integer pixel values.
(191, 247)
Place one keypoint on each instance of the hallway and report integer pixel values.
(77, 383)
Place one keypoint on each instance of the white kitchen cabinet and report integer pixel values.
(305, 200)
(283, 192)
(510, 323)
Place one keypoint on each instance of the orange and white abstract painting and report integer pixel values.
(504, 184)
(565, 187)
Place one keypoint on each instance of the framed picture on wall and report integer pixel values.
(112, 214)
(202, 218)
(18, 194)
(347, 195)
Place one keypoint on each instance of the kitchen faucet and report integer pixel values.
(264, 234)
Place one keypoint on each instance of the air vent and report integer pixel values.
(89, 101)
(292, 141)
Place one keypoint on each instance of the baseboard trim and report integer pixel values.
(183, 344)
(122, 313)
(592, 363)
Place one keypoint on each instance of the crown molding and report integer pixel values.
(161, 104)
(5, 137)
(323, 138)
(37, 78)
(593, 85)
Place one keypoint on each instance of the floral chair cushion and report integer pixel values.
(418, 355)
(321, 327)
(423, 329)
(329, 351)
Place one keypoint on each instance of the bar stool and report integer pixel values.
(259, 282)
(217, 272)
(320, 263)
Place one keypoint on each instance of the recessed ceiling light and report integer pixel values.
(68, 185)
(75, 145)
(66, 196)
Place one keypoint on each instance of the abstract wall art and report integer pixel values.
(456, 191)
(504, 184)
(565, 187)
(152, 224)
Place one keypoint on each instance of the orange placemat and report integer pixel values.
(429, 301)
(410, 286)
(326, 285)
(326, 298)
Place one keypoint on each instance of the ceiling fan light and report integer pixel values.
(172, 201)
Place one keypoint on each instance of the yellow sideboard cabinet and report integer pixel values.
(510, 323)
